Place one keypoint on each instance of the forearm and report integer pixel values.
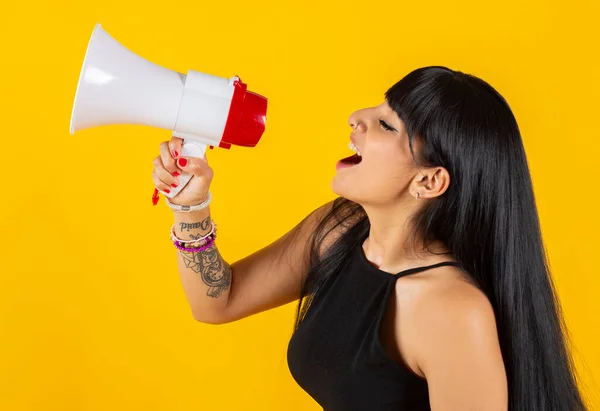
(205, 276)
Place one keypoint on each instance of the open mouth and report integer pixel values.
(352, 160)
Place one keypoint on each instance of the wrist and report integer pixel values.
(190, 208)
(175, 202)
(191, 225)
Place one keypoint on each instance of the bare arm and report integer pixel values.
(220, 293)
(458, 349)
(205, 276)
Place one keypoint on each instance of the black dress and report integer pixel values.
(336, 355)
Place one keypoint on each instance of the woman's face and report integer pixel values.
(387, 167)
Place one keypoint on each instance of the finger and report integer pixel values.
(168, 162)
(158, 183)
(163, 174)
(175, 146)
(197, 166)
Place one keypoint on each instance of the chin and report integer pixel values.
(343, 187)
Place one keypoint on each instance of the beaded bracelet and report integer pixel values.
(195, 250)
(195, 244)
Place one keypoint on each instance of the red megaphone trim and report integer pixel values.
(235, 113)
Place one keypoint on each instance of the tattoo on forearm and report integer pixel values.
(204, 224)
(215, 272)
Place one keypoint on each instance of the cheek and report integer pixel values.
(388, 163)
(387, 173)
(381, 176)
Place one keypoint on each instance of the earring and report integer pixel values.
(417, 196)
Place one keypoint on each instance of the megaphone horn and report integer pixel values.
(117, 86)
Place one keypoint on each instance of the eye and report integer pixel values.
(386, 126)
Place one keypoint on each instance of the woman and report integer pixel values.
(425, 284)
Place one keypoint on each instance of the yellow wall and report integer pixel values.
(91, 322)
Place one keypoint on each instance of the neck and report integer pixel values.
(392, 244)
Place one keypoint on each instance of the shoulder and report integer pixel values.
(451, 308)
(454, 337)
(446, 292)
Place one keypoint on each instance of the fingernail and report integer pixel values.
(175, 153)
(175, 174)
(182, 162)
(167, 191)
(173, 185)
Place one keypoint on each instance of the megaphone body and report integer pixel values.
(117, 86)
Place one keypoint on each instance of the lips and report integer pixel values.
(352, 160)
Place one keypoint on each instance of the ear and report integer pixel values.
(431, 182)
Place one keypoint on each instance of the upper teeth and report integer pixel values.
(352, 147)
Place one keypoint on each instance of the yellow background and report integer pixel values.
(92, 314)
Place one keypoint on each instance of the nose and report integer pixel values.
(353, 121)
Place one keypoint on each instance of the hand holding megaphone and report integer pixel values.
(118, 87)
(169, 165)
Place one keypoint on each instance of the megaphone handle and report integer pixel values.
(190, 148)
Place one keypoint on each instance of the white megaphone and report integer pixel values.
(117, 86)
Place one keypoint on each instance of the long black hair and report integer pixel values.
(488, 220)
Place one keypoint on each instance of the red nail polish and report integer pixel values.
(182, 162)
(173, 185)
(167, 191)
(175, 153)
(175, 174)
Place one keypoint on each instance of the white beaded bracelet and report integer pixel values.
(189, 209)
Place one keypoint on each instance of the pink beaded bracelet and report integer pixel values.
(195, 250)
(195, 243)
